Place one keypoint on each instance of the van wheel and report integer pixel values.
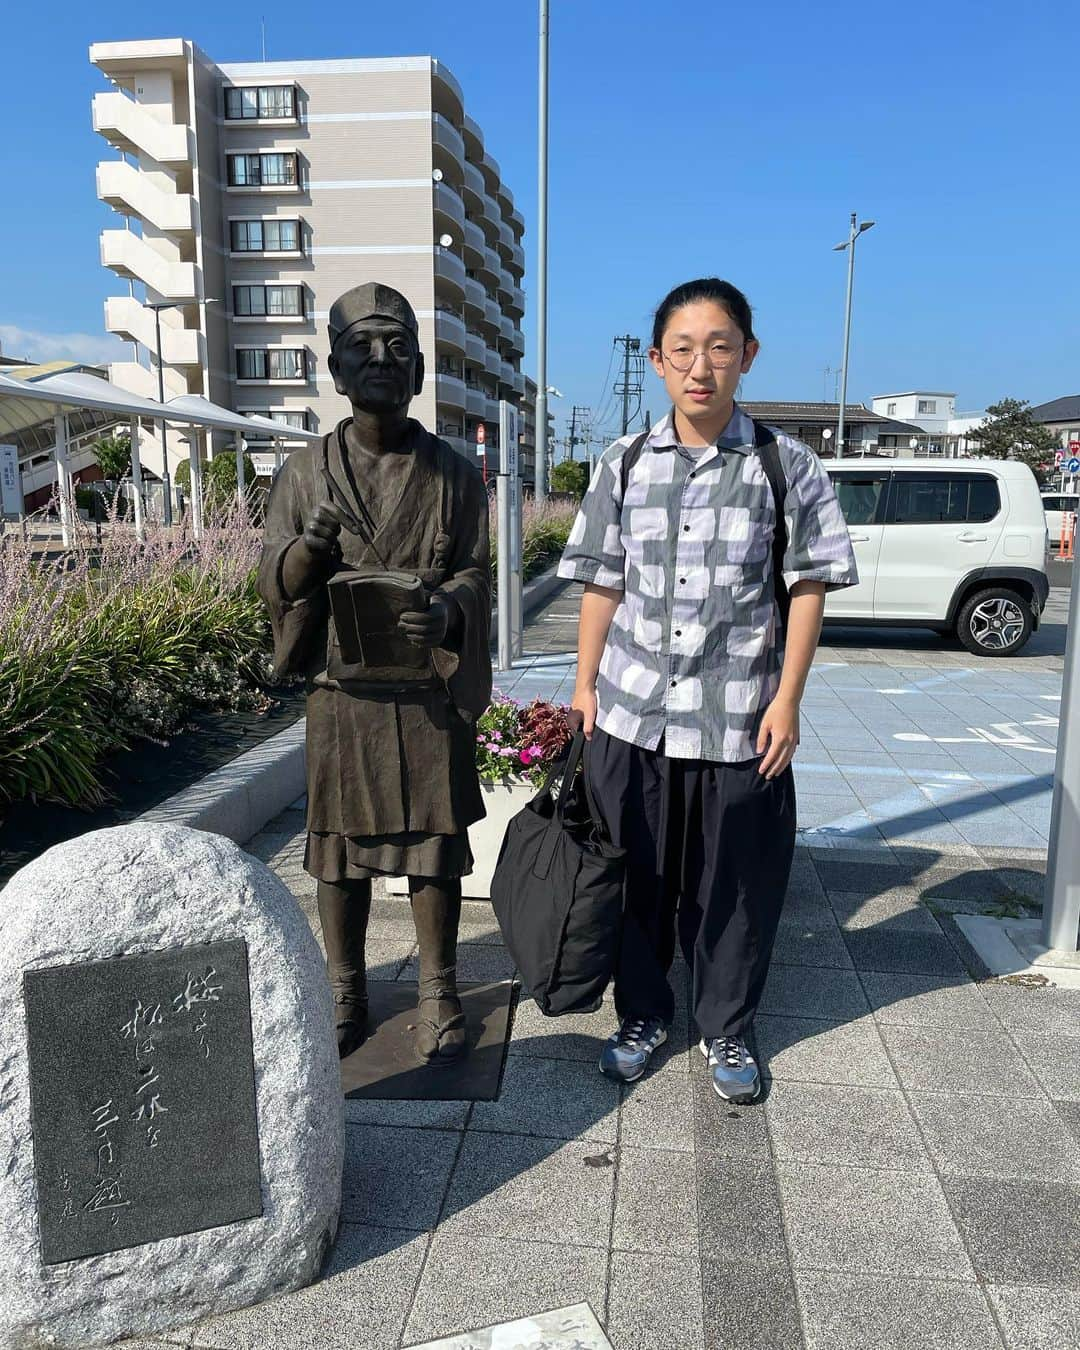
(995, 622)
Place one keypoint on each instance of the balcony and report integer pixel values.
(475, 401)
(516, 305)
(517, 261)
(492, 361)
(474, 189)
(492, 313)
(492, 215)
(474, 138)
(121, 186)
(506, 239)
(493, 263)
(131, 257)
(519, 384)
(475, 295)
(450, 329)
(449, 267)
(131, 322)
(488, 274)
(517, 222)
(450, 390)
(447, 136)
(517, 342)
(506, 374)
(449, 205)
(129, 127)
(473, 244)
(490, 167)
(475, 347)
(506, 327)
(492, 413)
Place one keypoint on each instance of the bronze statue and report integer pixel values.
(397, 672)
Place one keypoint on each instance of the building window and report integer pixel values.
(260, 363)
(265, 236)
(247, 105)
(927, 405)
(890, 411)
(269, 170)
(293, 419)
(273, 301)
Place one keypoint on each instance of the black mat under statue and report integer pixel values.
(386, 1067)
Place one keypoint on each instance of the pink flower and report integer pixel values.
(496, 735)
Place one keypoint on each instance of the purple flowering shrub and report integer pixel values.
(513, 741)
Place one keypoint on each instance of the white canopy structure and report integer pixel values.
(24, 402)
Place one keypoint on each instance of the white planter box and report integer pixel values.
(503, 801)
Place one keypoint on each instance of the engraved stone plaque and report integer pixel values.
(142, 1091)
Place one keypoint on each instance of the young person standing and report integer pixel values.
(689, 684)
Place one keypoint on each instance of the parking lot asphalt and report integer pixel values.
(907, 738)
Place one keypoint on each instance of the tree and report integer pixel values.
(571, 476)
(219, 478)
(113, 454)
(1010, 432)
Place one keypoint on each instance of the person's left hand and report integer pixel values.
(427, 628)
(779, 732)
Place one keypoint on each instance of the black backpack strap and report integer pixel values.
(769, 452)
(631, 455)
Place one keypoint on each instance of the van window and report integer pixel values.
(859, 495)
(944, 499)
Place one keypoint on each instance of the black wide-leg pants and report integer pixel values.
(709, 849)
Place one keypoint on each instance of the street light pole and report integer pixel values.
(541, 478)
(849, 244)
(1061, 898)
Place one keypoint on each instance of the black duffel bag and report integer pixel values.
(558, 894)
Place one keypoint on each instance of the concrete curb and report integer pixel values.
(239, 798)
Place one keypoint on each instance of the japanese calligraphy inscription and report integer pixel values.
(142, 1088)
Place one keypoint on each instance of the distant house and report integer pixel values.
(865, 432)
(1061, 416)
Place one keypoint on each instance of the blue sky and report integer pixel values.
(685, 140)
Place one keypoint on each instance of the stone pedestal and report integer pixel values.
(170, 1102)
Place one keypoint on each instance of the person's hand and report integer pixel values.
(582, 715)
(428, 627)
(778, 737)
(311, 557)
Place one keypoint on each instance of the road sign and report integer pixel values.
(1073, 466)
(1074, 447)
(481, 433)
(1059, 456)
(11, 500)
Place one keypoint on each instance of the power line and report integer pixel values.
(633, 373)
(575, 439)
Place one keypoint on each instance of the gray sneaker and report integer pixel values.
(627, 1053)
(734, 1070)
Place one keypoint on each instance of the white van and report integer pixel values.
(1055, 504)
(959, 546)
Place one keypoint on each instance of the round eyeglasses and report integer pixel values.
(720, 356)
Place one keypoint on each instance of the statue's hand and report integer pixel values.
(321, 532)
(427, 628)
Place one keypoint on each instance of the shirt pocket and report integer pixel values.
(746, 534)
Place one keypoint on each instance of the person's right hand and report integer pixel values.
(583, 704)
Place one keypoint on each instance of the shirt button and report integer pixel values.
(678, 632)
(686, 529)
(674, 683)
(691, 475)
(682, 581)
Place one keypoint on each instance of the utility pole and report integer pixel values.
(575, 439)
(630, 387)
(540, 488)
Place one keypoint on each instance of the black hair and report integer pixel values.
(705, 288)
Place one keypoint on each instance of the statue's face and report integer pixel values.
(378, 366)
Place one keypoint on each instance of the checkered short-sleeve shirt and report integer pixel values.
(692, 656)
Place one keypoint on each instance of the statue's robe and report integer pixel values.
(392, 781)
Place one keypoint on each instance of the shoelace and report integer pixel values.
(630, 1033)
(732, 1051)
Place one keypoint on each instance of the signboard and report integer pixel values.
(11, 498)
(1059, 456)
(1073, 466)
(142, 1095)
(1074, 448)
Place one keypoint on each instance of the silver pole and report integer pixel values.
(195, 441)
(136, 482)
(1061, 899)
(63, 478)
(847, 338)
(541, 475)
(166, 495)
(239, 442)
(506, 630)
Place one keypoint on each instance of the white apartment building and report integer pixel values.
(253, 195)
(930, 410)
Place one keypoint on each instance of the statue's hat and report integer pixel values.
(370, 301)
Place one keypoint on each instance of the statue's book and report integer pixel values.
(366, 607)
